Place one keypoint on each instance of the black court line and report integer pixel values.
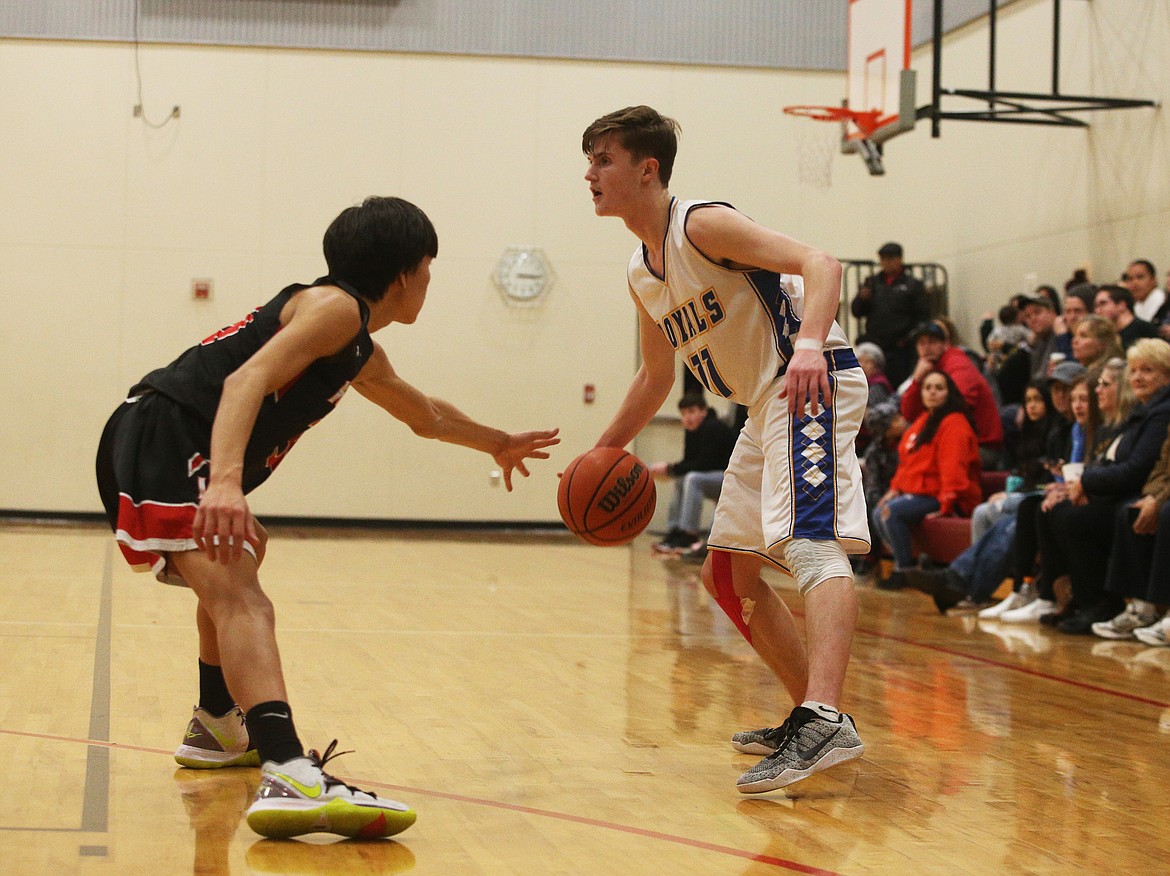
(95, 816)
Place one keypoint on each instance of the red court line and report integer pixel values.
(1017, 668)
(999, 664)
(794, 866)
(614, 826)
(100, 743)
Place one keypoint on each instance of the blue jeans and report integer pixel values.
(686, 507)
(986, 514)
(985, 563)
(893, 518)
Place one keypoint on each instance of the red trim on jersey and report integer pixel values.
(231, 329)
(276, 396)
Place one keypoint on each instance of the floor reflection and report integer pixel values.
(823, 799)
(688, 664)
(215, 801)
(329, 857)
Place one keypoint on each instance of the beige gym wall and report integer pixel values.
(106, 222)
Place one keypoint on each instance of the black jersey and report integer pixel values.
(195, 381)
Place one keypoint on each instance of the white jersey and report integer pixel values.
(733, 328)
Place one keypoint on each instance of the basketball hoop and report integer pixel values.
(866, 121)
(879, 100)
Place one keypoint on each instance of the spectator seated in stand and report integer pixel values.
(1039, 315)
(1095, 341)
(878, 465)
(1149, 302)
(1139, 565)
(707, 447)
(1006, 330)
(1033, 596)
(873, 363)
(968, 583)
(1076, 534)
(1009, 359)
(938, 349)
(1116, 303)
(1078, 303)
(938, 469)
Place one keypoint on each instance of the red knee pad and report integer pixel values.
(725, 592)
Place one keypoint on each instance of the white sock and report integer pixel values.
(826, 712)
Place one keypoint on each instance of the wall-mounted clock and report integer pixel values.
(523, 275)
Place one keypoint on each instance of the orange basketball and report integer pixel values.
(606, 496)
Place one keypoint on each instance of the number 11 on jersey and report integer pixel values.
(703, 367)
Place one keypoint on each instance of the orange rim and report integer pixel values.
(865, 120)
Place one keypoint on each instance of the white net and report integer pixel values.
(816, 144)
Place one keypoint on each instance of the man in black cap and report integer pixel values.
(1039, 316)
(893, 304)
(937, 350)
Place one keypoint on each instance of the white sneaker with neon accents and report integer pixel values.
(212, 742)
(298, 797)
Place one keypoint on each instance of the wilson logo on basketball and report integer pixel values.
(621, 488)
(638, 523)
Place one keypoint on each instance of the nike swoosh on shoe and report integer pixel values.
(811, 753)
(310, 791)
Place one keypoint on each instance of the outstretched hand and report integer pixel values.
(520, 446)
(806, 380)
(223, 523)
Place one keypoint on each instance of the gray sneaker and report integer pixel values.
(1157, 634)
(1016, 599)
(763, 741)
(1137, 614)
(808, 744)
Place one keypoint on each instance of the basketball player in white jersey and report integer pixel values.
(751, 312)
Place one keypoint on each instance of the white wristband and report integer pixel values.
(808, 344)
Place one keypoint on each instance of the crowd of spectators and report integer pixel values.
(1067, 397)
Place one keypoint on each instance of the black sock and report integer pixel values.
(270, 726)
(213, 692)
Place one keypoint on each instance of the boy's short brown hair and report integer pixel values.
(643, 131)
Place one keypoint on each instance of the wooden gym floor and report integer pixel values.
(551, 708)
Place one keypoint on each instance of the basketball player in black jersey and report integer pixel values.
(179, 455)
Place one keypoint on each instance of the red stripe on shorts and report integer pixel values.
(140, 561)
(154, 521)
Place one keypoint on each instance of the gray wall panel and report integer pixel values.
(794, 34)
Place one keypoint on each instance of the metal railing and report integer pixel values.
(857, 271)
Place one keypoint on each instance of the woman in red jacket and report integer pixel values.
(938, 469)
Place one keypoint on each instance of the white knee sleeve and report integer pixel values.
(812, 562)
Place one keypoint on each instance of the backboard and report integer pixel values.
(879, 78)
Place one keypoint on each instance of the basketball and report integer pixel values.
(606, 496)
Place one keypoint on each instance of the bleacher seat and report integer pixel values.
(944, 538)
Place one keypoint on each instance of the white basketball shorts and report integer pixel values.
(796, 476)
